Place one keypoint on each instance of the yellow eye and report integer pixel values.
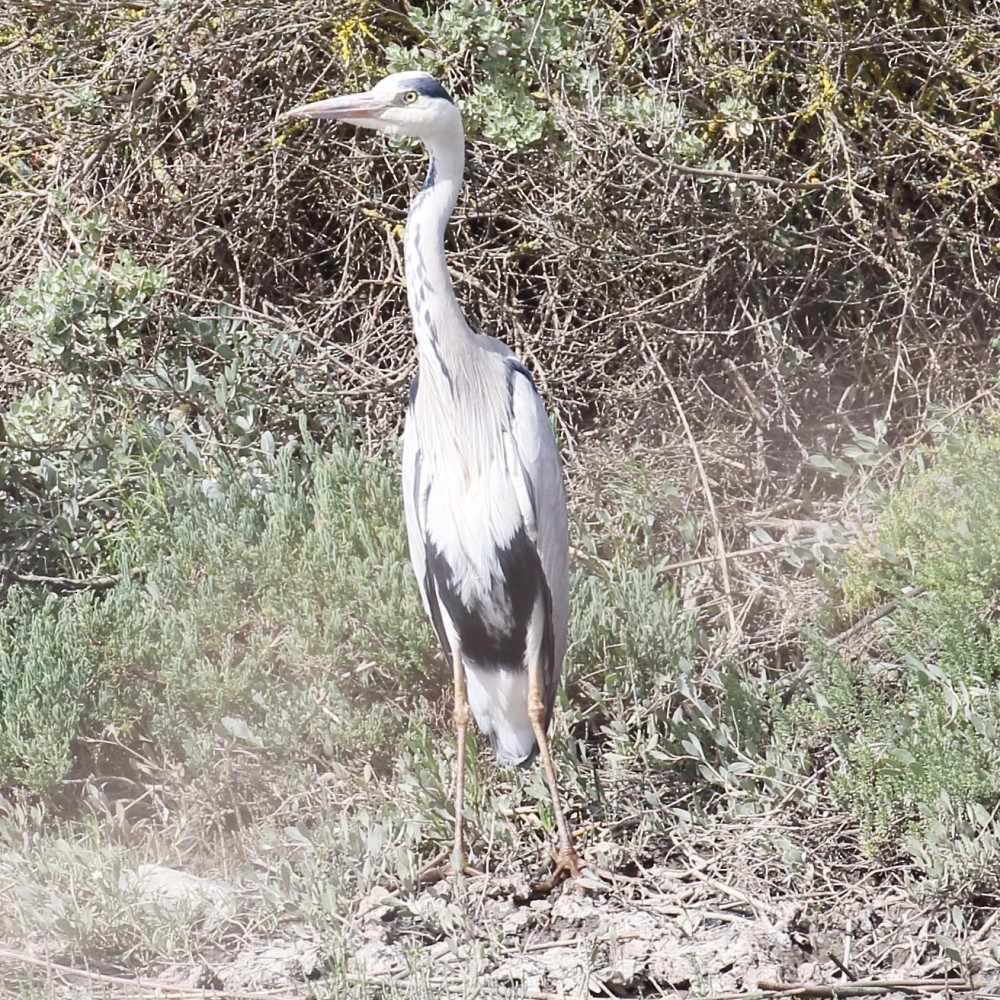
(409, 97)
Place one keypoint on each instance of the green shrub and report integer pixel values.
(275, 612)
(915, 720)
(86, 315)
(68, 446)
(114, 414)
(52, 682)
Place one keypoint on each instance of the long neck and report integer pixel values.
(440, 327)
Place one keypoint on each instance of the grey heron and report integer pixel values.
(482, 480)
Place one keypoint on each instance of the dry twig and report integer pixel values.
(869, 618)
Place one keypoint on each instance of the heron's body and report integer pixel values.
(482, 481)
(488, 545)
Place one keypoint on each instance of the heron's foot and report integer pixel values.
(566, 864)
(437, 871)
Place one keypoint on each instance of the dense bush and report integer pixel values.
(270, 608)
(109, 411)
(803, 187)
(739, 179)
(924, 679)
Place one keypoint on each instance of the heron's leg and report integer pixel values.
(567, 860)
(436, 871)
(461, 717)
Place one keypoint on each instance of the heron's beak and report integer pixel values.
(350, 106)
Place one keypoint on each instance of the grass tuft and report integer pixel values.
(914, 718)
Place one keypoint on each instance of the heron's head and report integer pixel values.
(410, 103)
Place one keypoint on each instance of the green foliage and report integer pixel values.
(51, 683)
(528, 63)
(112, 413)
(939, 532)
(88, 317)
(915, 725)
(258, 611)
(220, 369)
(66, 447)
(908, 737)
(507, 46)
(244, 635)
(943, 524)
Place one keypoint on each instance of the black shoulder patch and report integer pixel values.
(515, 368)
(429, 87)
(492, 626)
(413, 390)
(514, 365)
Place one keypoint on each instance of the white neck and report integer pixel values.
(438, 322)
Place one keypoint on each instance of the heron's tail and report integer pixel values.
(498, 697)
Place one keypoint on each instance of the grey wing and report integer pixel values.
(542, 495)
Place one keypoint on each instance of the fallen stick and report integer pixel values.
(874, 615)
(867, 987)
